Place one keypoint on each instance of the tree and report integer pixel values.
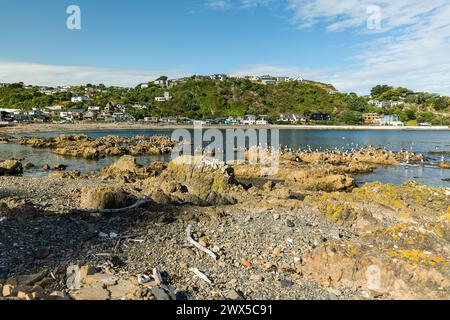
(379, 90)
(351, 117)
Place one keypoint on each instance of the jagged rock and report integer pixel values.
(90, 294)
(65, 175)
(11, 167)
(28, 165)
(95, 198)
(198, 180)
(444, 165)
(60, 167)
(126, 166)
(84, 147)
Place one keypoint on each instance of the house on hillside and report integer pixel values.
(162, 82)
(262, 120)
(166, 97)
(139, 107)
(151, 119)
(168, 120)
(219, 77)
(249, 120)
(390, 120)
(6, 116)
(79, 99)
(90, 115)
(76, 113)
(371, 118)
(321, 117)
(292, 118)
(284, 79)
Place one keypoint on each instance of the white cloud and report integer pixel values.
(411, 48)
(53, 75)
(219, 4)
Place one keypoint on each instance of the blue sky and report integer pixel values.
(127, 42)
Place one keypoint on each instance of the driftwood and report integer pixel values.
(138, 204)
(157, 276)
(201, 275)
(198, 245)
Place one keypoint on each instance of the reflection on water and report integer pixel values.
(416, 141)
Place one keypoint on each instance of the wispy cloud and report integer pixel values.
(409, 49)
(53, 75)
(219, 4)
(236, 4)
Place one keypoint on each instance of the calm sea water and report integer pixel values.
(416, 141)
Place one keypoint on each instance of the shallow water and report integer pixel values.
(416, 141)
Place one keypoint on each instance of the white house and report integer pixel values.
(249, 120)
(220, 77)
(79, 99)
(262, 120)
(292, 118)
(139, 107)
(54, 108)
(166, 97)
(94, 108)
(284, 79)
(161, 83)
(390, 120)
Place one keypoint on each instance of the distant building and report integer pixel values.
(94, 108)
(76, 113)
(168, 120)
(79, 99)
(371, 118)
(390, 120)
(283, 79)
(220, 77)
(292, 118)
(249, 120)
(90, 115)
(139, 107)
(233, 121)
(144, 85)
(54, 108)
(386, 104)
(166, 97)
(6, 116)
(151, 119)
(12, 111)
(162, 83)
(321, 117)
(262, 120)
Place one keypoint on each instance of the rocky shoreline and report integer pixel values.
(49, 127)
(193, 229)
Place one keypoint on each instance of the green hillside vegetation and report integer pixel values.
(203, 98)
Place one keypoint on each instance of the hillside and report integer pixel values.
(204, 98)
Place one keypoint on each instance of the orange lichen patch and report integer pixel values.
(407, 233)
(334, 207)
(418, 257)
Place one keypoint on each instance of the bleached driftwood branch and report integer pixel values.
(201, 275)
(198, 245)
(138, 204)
